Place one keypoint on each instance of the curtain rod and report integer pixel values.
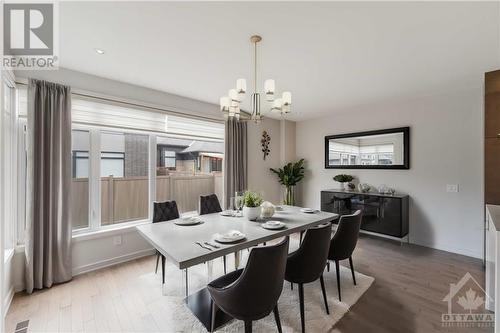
(147, 107)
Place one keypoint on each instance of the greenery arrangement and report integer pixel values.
(252, 199)
(343, 178)
(289, 176)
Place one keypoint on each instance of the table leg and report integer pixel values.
(237, 258)
(210, 272)
(185, 283)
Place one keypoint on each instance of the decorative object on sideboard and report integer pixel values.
(266, 139)
(289, 176)
(252, 202)
(351, 186)
(364, 187)
(343, 180)
(230, 105)
(383, 189)
(268, 210)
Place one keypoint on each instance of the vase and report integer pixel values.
(251, 213)
(345, 186)
(289, 198)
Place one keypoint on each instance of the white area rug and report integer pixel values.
(178, 315)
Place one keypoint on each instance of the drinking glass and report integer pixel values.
(238, 202)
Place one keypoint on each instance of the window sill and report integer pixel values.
(107, 232)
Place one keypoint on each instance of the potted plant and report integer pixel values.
(289, 176)
(343, 180)
(251, 205)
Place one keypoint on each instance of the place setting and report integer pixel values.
(231, 236)
(309, 210)
(273, 225)
(189, 221)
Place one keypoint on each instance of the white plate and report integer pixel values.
(273, 225)
(188, 221)
(227, 213)
(307, 210)
(278, 208)
(229, 237)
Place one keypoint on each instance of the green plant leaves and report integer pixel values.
(291, 173)
(252, 199)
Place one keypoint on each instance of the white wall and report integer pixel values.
(260, 178)
(446, 148)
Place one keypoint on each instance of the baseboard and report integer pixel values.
(111, 261)
(8, 299)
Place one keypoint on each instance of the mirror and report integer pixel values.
(382, 149)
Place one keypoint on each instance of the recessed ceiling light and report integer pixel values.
(99, 51)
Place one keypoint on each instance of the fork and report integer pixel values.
(203, 246)
(212, 245)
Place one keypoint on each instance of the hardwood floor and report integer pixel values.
(410, 284)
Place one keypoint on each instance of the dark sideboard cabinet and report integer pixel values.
(384, 214)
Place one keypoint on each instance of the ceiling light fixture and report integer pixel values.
(99, 51)
(230, 105)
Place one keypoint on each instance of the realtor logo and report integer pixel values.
(29, 36)
(466, 305)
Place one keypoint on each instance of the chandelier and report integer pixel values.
(230, 105)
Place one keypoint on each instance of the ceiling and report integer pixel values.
(331, 56)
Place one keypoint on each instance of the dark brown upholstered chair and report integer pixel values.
(308, 263)
(164, 211)
(344, 242)
(208, 205)
(252, 293)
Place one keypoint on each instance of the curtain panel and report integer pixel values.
(235, 159)
(48, 232)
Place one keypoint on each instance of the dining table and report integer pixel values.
(178, 244)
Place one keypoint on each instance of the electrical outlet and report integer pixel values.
(452, 188)
(117, 240)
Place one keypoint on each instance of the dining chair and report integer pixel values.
(209, 204)
(164, 211)
(344, 242)
(308, 263)
(251, 293)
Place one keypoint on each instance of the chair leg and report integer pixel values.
(163, 259)
(157, 261)
(277, 318)
(224, 260)
(328, 266)
(291, 285)
(248, 326)
(301, 301)
(301, 235)
(352, 270)
(213, 309)
(324, 293)
(337, 269)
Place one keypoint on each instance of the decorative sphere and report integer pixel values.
(268, 209)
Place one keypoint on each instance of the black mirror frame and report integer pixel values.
(406, 145)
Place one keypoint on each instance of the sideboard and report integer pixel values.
(383, 214)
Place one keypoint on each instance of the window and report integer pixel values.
(7, 163)
(80, 182)
(113, 162)
(124, 177)
(193, 173)
(169, 159)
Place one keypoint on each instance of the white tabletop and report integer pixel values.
(178, 242)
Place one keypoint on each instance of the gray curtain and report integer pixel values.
(235, 158)
(48, 230)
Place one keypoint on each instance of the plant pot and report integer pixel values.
(251, 213)
(289, 198)
(346, 186)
